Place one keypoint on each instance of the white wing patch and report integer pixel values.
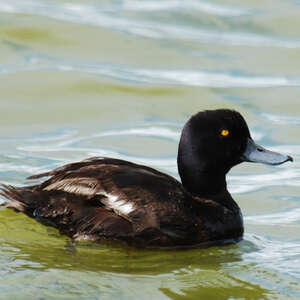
(89, 187)
(120, 206)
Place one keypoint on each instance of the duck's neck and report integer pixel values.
(199, 178)
(202, 178)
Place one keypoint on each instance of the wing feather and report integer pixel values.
(137, 193)
(80, 185)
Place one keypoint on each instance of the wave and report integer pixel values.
(189, 5)
(287, 217)
(275, 255)
(112, 18)
(282, 119)
(214, 79)
(249, 183)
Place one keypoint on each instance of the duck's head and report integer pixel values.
(214, 141)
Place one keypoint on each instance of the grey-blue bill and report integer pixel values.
(258, 154)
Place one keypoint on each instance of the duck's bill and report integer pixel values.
(258, 154)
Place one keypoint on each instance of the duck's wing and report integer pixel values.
(126, 188)
(124, 194)
(72, 214)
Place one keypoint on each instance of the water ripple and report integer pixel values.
(153, 131)
(217, 79)
(283, 253)
(282, 119)
(249, 183)
(287, 217)
(102, 16)
(189, 5)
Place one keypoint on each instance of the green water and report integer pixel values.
(120, 78)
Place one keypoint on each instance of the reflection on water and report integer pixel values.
(120, 78)
(171, 272)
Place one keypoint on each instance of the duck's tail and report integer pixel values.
(13, 197)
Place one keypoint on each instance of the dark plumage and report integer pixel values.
(106, 198)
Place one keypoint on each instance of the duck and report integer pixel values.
(103, 198)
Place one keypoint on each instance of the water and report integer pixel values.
(120, 78)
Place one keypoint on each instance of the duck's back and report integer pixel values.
(110, 198)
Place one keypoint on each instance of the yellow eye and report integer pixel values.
(225, 132)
